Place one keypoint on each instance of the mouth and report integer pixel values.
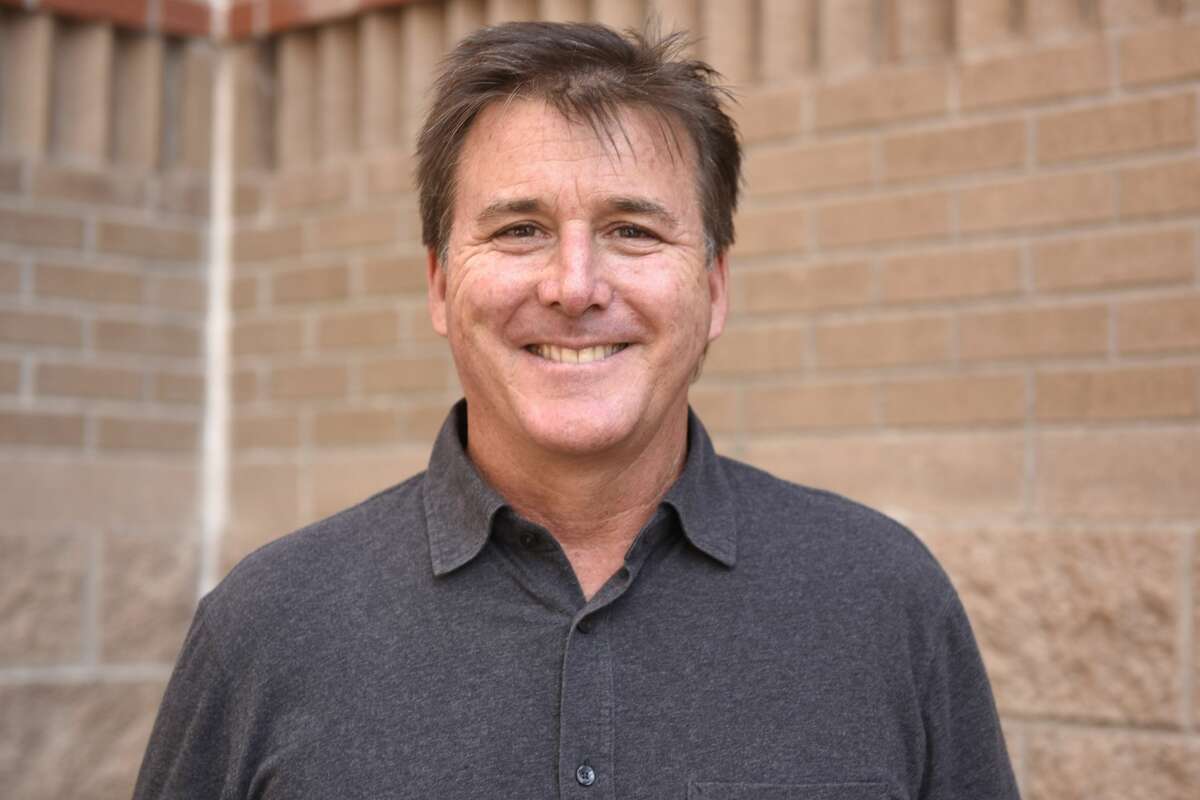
(566, 355)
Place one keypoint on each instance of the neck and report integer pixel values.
(593, 504)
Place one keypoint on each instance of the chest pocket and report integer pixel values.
(791, 791)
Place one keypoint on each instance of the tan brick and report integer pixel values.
(359, 329)
(101, 729)
(1031, 77)
(1133, 393)
(310, 285)
(341, 482)
(117, 433)
(268, 336)
(1163, 54)
(391, 174)
(255, 431)
(243, 293)
(766, 114)
(942, 473)
(757, 350)
(245, 386)
(311, 188)
(418, 328)
(1049, 19)
(1111, 764)
(178, 387)
(1037, 202)
(160, 339)
(1151, 472)
(37, 328)
(1152, 124)
(148, 594)
(377, 226)
(1125, 259)
(36, 229)
(951, 274)
(149, 241)
(94, 187)
(955, 151)
(42, 579)
(785, 34)
(400, 375)
(403, 274)
(10, 177)
(247, 199)
(883, 96)
(810, 406)
(1034, 333)
(883, 343)
(729, 43)
(10, 277)
(808, 288)
(810, 167)
(1158, 325)
(957, 400)
(421, 421)
(264, 504)
(771, 230)
(1171, 188)
(716, 406)
(846, 35)
(185, 193)
(113, 493)
(85, 283)
(357, 426)
(10, 376)
(35, 428)
(264, 244)
(308, 381)
(884, 219)
(981, 24)
(1077, 625)
(1118, 13)
(178, 293)
(83, 380)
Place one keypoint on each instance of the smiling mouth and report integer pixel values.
(565, 355)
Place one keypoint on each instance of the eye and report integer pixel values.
(524, 230)
(634, 232)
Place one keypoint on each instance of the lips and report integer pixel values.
(567, 355)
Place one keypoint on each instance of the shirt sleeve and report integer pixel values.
(189, 754)
(965, 753)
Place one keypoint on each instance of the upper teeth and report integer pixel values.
(566, 355)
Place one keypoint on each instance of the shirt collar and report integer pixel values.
(460, 506)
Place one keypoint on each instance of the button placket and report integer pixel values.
(585, 730)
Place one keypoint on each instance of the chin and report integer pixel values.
(580, 429)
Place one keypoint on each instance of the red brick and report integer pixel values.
(1125, 259)
(33, 428)
(311, 188)
(771, 230)
(1154, 123)
(252, 432)
(38, 328)
(1163, 54)
(76, 185)
(308, 382)
(310, 285)
(951, 274)
(265, 244)
(779, 348)
(403, 274)
(810, 167)
(883, 343)
(954, 151)
(400, 375)
(160, 339)
(356, 229)
(1159, 325)
(811, 406)
(36, 229)
(82, 380)
(365, 426)
(268, 336)
(1171, 188)
(1037, 202)
(359, 329)
(1135, 393)
(149, 241)
(957, 400)
(807, 288)
(884, 219)
(1034, 333)
(1038, 76)
(117, 433)
(765, 114)
(884, 96)
(84, 283)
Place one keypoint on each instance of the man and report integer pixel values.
(579, 598)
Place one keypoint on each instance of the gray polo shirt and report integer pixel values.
(763, 640)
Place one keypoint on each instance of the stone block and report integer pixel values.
(984, 147)
(148, 593)
(42, 586)
(957, 400)
(1155, 123)
(1073, 624)
(1023, 334)
(882, 96)
(1116, 260)
(838, 285)
(1157, 325)
(951, 275)
(1045, 201)
(811, 406)
(878, 220)
(1166, 188)
(1035, 77)
(1110, 394)
(1150, 472)
(883, 343)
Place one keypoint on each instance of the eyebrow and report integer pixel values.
(621, 203)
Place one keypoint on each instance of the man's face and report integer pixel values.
(575, 293)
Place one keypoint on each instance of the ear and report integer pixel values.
(718, 294)
(435, 276)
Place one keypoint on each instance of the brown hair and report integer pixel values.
(588, 73)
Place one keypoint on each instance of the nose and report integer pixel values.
(574, 281)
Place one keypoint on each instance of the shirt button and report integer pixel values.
(529, 540)
(584, 626)
(585, 775)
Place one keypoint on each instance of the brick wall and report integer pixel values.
(966, 291)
